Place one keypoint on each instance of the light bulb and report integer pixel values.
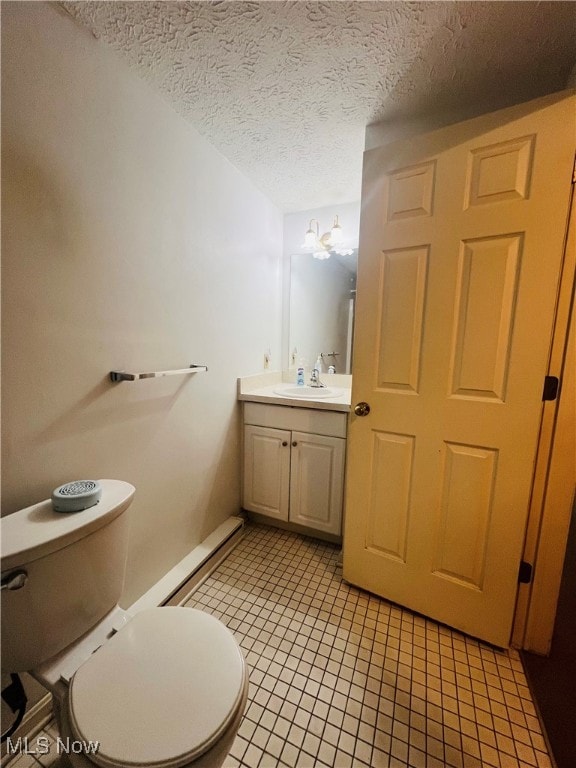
(336, 235)
(309, 239)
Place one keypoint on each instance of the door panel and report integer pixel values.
(468, 476)
(402, 288)
(500, 172)
(461, 242)
(485, 295)
(387, 527)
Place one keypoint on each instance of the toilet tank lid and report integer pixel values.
(37, 531)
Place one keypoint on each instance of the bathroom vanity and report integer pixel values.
(294, 453)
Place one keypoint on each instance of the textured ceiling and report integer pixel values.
(286, 89)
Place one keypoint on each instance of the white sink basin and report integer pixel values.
(307, 393)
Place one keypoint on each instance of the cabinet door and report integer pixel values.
(317, 481)
(266, 471)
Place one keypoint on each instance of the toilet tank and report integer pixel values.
(74, 564)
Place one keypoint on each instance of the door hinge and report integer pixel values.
(550, 391)
(524, 573)
(574, 171)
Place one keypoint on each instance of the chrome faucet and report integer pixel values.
(315, 378)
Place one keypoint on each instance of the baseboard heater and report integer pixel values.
(180, 582)
(172, 589)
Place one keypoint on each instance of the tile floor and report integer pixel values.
(340, 678)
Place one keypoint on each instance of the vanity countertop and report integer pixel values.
(263, 388)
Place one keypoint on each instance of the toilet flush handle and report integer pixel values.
(14, 580)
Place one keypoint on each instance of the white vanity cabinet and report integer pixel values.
(294, 465)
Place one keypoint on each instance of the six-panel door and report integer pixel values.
(461, 246)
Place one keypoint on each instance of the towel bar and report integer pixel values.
(123, 376)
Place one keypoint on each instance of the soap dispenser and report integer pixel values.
(318, 364)
(300, 373)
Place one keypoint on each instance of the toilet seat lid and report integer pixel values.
(160, 692)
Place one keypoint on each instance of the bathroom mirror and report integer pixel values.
(321, 317)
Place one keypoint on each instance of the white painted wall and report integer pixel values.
(128, 242)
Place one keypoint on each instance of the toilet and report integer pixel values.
(164, 688)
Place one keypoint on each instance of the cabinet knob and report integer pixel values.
(294, 443)
(284, 443)
(362, 409)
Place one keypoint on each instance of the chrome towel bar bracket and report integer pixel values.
(124, 376)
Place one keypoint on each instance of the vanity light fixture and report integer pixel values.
(322, 247)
